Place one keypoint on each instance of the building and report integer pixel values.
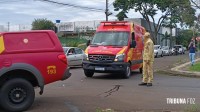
(87, 29)
(78, 26)
(20, 27)
(2, 28)
(85, 26)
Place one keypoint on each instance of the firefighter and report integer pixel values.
(148, 59)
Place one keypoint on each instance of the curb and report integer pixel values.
(176, 71)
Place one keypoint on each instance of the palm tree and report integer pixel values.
(166, 37)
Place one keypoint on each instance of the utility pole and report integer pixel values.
(106, 12)
(8, 26)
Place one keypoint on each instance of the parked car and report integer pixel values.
(27, 60)
(158, 51)
(180, 49)
(185, 49)
(166, 50)
(74, 56)
(175, 50)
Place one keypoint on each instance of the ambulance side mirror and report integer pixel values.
(88, 43)
(133, 44)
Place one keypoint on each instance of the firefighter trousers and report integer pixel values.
(147, 71)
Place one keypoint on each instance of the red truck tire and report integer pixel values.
(17, 95)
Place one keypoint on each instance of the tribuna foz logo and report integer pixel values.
(180, 100)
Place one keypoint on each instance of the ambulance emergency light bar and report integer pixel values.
(115, 23)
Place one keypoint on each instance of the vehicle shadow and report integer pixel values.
(75, 67)
(113, 76)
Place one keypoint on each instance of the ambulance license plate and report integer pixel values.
(100, 68)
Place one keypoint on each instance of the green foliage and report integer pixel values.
(42, 24)
(184, 37)
(195, 68)
(121, 16)
(175, 11)
(82, 46)
(192, 108)
(73, 42)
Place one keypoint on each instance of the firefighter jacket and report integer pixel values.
(148, 54)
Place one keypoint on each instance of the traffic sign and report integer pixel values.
(57, 21)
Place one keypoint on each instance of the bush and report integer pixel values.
(73, 42)
(42, 24)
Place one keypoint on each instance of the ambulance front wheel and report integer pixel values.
(127, 73)
(88, 73)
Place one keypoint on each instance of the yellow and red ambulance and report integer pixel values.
(117, 47)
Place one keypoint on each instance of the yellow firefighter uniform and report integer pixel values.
(148, 59)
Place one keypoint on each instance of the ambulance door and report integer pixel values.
(134, 51)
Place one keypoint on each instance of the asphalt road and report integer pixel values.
(109, 91)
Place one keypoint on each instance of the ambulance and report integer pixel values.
(116, 47)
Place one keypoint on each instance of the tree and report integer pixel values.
(184, 37)
(170, 23)
(165, 37)
(42, 24)
(149, 9)
(182, 16)
(195, 3)
(121, 16)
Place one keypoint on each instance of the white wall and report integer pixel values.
(2, 28)
(80, 26)
(164, 29)
(20, 27)
(15, 28)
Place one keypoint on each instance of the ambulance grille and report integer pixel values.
(101, 58)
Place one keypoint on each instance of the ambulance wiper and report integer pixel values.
(94, 45)
(117, 46)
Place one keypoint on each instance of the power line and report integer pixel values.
(111, 4)
(83, 7)
(72, 5)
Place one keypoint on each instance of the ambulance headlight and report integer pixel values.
(86, 57)
(120, 57)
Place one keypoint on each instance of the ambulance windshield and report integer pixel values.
(111, 38)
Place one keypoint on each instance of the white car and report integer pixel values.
(180, 49)
(158, 51)
(166, 50)
(74, 56)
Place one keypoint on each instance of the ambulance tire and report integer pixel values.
(88, 73)
(127, 72)
(16, 95)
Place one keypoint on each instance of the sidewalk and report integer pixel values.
(180, 71)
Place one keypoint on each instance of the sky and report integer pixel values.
(25, 11)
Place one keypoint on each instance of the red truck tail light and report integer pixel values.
(62, 58)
